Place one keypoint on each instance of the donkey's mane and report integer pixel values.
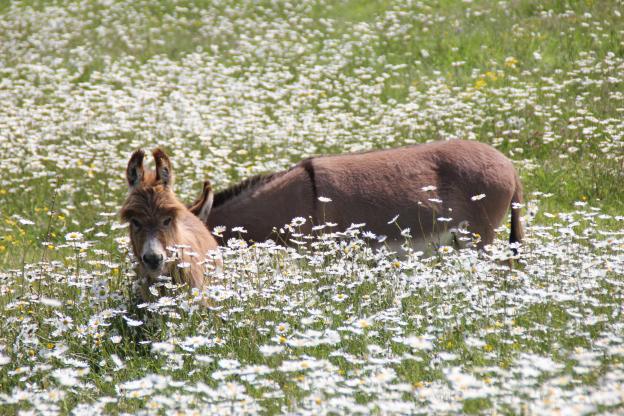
(252, 182)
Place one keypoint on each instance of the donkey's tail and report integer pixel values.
(516, 233)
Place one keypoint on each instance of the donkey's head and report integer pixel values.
(158, 221)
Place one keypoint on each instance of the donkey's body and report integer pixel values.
(418, 183)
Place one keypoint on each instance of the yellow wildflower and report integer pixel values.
(511, 62)
(480, 83)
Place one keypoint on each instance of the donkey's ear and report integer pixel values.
(202, 206)
(134, 171)
(164, 168)
(208, 199)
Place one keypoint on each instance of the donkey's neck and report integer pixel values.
(239, 193)
(227, 202)
(240, 210)
(262, 203)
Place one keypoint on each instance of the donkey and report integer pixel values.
(160, 222)
(446, 192)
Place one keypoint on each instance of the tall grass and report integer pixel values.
(232, 89)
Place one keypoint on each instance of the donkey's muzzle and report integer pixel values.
(153, 260)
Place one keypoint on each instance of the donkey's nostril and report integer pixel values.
(153, 260)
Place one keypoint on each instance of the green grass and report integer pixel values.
(276, 69)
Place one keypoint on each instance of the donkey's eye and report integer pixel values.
(167, 221)
(135, 223)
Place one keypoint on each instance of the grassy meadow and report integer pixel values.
(236, 88)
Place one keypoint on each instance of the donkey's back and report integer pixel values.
(432, 187)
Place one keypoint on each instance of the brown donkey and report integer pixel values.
(433, 188)
(160, 223)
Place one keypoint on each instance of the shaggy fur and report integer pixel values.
(150, 203)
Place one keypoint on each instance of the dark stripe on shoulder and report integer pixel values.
(308, 166)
